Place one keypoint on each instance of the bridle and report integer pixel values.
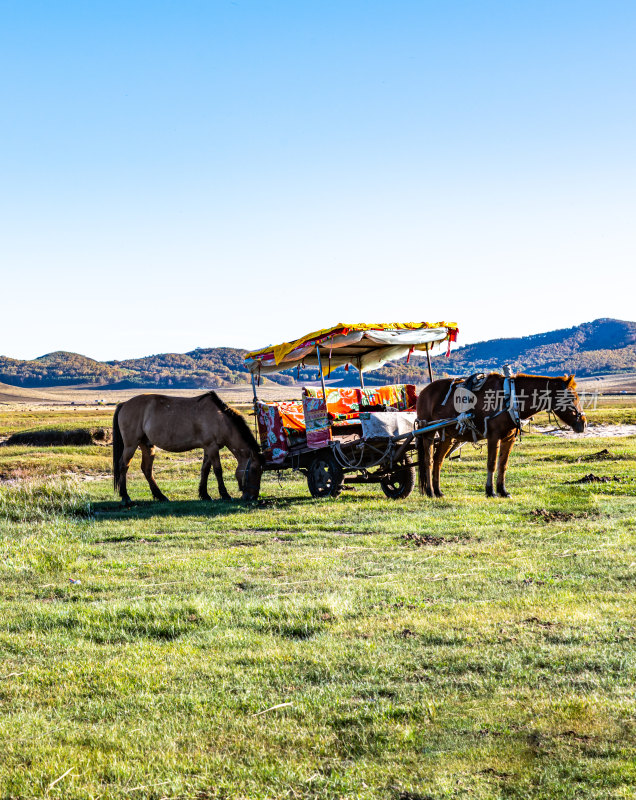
(579, 417)
(246, 472)
(578, 414)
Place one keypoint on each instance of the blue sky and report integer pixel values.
(183, 174)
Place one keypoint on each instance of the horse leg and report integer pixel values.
(428, 463)
(215, 460)
(441, 451)
(205, 472)
(493, 448)
(147, 459)
(504, 454)
(124, 463)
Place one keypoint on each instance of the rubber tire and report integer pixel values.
(325, 476)
(399, 484)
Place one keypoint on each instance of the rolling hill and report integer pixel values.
(593, 348)
(604, 346)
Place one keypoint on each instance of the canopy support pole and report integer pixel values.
(322, 377)
(254, 402)
(430, 369)
(254, 398)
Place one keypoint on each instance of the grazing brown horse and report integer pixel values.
(491, 420)
(177, 424)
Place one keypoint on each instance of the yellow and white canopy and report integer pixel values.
(365, 346)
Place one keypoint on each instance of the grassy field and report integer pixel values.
(358, 648)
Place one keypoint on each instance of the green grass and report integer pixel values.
(495, 660)
(14, 419)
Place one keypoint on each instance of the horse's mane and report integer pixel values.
(569, 381)
(238, 420)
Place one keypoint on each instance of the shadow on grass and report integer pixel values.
(146, 509)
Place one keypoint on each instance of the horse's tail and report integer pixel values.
(118, 449)
(421, 475)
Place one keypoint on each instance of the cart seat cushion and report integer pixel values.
(339, 401)
(317, 422)
(345, 420)
(386, 424)
(270, 428)
(399, 396)
(292, 415)
(279, 425)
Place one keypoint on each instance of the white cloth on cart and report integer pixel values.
(384, 424)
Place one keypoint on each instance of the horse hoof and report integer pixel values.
(205, 498)
(490, 493)
(162, 499)
(439, 493)
(504, 493)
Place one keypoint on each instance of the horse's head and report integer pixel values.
(248, 475)
(567, 405)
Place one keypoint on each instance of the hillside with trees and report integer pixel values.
(593, 348)
(604, 346)
(200, 368)
(56, 369)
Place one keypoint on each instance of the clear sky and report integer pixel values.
(182, 174)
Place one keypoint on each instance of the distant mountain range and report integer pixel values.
(599, 347)
(593, 348)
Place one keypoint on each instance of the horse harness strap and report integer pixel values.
(511, 403)
(453, 383)
(464, 421)
(510, 399)
(473, 383)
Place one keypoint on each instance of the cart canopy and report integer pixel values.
(365, 346)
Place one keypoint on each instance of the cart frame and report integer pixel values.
(352, 458)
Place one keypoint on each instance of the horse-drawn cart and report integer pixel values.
(354, 435)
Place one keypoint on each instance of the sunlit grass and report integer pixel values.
(492, 655)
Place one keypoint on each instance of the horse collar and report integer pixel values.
(510, 398)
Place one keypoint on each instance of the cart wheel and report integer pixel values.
(325, 477)
(399, 484)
